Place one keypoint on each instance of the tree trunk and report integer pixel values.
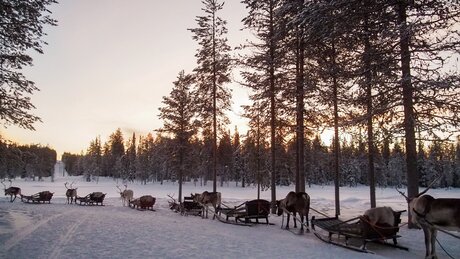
(370, 130)
(300, 154)
(272, 108)
(408, 103)
(214, 105)
(181, 162)
(336, 132)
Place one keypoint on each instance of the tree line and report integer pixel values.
(26, 161)
(241, 162)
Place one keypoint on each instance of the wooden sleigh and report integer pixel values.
(190, 207)
(247, 213)
(358, 229)
(43, 197)
(94, 198)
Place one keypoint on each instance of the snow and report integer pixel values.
(59, 230)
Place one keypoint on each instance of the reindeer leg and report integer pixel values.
(434, 233)
(301, 221)
(287, 221)
(427, 234)
(295, 220)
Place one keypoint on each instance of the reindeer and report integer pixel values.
(126, 195)
(383, 216)
(71, 193)
(433, 214)
(296, 203)
(208, 198)
(11, 191)
(173, 204)
(144, 202)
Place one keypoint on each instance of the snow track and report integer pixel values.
(27, 231)
(65, 239)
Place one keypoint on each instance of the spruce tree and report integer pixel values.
(178, 115)
(213, 72)
(262, 71)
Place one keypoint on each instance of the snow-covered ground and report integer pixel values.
(58, 230)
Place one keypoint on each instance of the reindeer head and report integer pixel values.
(279, 210)
(120, 191)
(71, 186)
(196, 197)
(413, 201)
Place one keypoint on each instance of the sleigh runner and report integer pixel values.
(358, 229)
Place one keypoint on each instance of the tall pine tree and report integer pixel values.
(213, 72)
(178, 115)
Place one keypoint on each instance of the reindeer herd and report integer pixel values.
(429, 213)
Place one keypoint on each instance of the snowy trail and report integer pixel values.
(59, 230)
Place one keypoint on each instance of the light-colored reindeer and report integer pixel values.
(433, 214)
(208, 198)
(71, 193)
(126, 195)
(11, 191)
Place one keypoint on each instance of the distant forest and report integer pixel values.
(149, 159)
(26, 161)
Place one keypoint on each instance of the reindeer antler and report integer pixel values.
(3, 183)
(119, 188)
(403, 194)
(429, 186)
(172, 197)
(421, 193)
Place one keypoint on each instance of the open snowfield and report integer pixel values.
(58, 230)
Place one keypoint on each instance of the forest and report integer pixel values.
(383, 75)
(149, 159)
(26, 161)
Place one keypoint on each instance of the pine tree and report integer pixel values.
(225, 157)
(145, 158)
(21, 30)
(178, 115)
(213, 72)
(429, 91)
(238, 163)
(93, 161)
(131, 156)
(329, 50)
(295, 50)
(262, 67)
(117, 153)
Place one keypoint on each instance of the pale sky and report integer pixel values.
(108, 64)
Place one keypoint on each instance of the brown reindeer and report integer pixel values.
(71, 193)
(126, 195)
(295, 203)
(208, 198)
(144, 202)
(433, 214)
(11, 191)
